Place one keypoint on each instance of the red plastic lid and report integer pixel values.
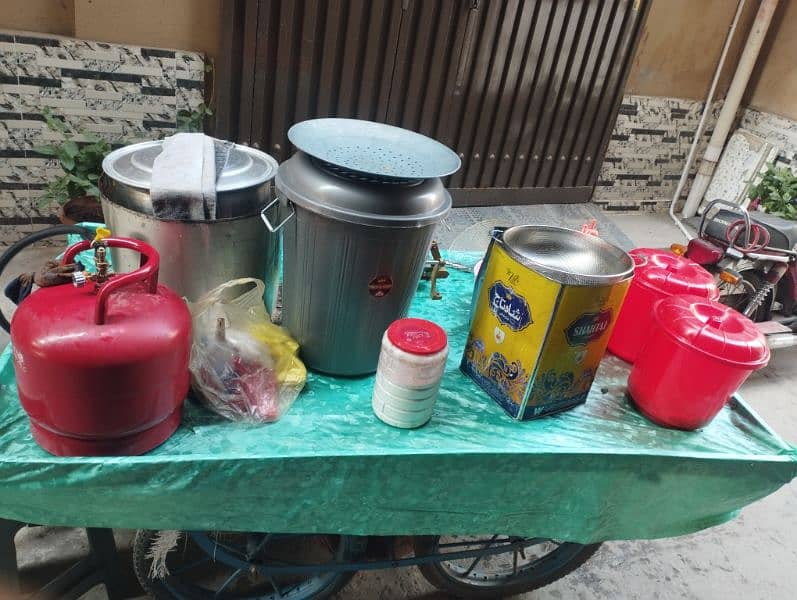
(417, 336)
(668, 273)
(713, 329)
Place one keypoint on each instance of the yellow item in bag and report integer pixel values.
(243, 367)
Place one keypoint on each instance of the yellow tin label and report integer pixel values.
(535, 344)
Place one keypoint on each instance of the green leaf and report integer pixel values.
(49, 150)
(79, 180)
(71, 148)
(57, 190)
(67, 162)
(56, 125)
(776, 189)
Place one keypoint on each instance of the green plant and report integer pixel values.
(193, 120)
(80, 161)
(777, 192)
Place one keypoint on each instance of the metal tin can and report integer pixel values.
(545, 302)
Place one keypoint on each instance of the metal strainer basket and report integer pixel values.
(373, 148)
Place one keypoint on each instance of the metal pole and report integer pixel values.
(732, 100)
(702, 123)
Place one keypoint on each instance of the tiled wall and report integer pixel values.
(648, 150)
(651, 140)
(128, 93)
(122, 93)
(780, 131)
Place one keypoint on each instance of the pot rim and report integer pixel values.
(311, 201)
(109, 169)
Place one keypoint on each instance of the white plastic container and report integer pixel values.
(411, 364)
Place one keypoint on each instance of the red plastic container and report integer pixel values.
(658, 274)
(103, 372)
(698, 353)
(417, 336)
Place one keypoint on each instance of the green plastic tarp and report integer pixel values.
(600, 471)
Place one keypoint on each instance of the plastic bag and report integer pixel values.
(243, 367)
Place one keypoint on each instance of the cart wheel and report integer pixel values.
(533, 565)
(225, 565)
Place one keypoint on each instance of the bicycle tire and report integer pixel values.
(552, 567)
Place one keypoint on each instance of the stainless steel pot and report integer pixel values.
(196, 256)
(354, 250)
(242, 188)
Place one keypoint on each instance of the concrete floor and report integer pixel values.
(751, 557)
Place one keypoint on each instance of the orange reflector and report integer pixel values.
(678, 249)
(729, 277)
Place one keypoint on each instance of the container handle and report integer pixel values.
(269, 226)
(147, 271)
(497, 232)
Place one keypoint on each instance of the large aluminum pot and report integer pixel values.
(196, 256)
(353, 254)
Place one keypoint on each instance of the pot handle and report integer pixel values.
(269, 226)
(147, 271)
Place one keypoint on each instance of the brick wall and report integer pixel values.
(651, 140)
(121, 93)
(648, 150)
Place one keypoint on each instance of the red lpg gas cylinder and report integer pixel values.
(698, 353)
(102, 369)
(657, 274)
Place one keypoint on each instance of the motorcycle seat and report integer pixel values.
(783, 232)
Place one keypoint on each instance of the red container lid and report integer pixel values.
(713, 329)
(669, 273)
(417, 336)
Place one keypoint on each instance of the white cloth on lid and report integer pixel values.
(183, 183)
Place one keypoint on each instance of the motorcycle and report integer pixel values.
(754, 258)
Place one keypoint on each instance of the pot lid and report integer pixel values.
(417, 336)
(567, 256)
(315, 188)
(374, 148)
(245, 167)
(667, 272)
(712, 329)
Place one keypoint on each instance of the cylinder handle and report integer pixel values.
(147, 271)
